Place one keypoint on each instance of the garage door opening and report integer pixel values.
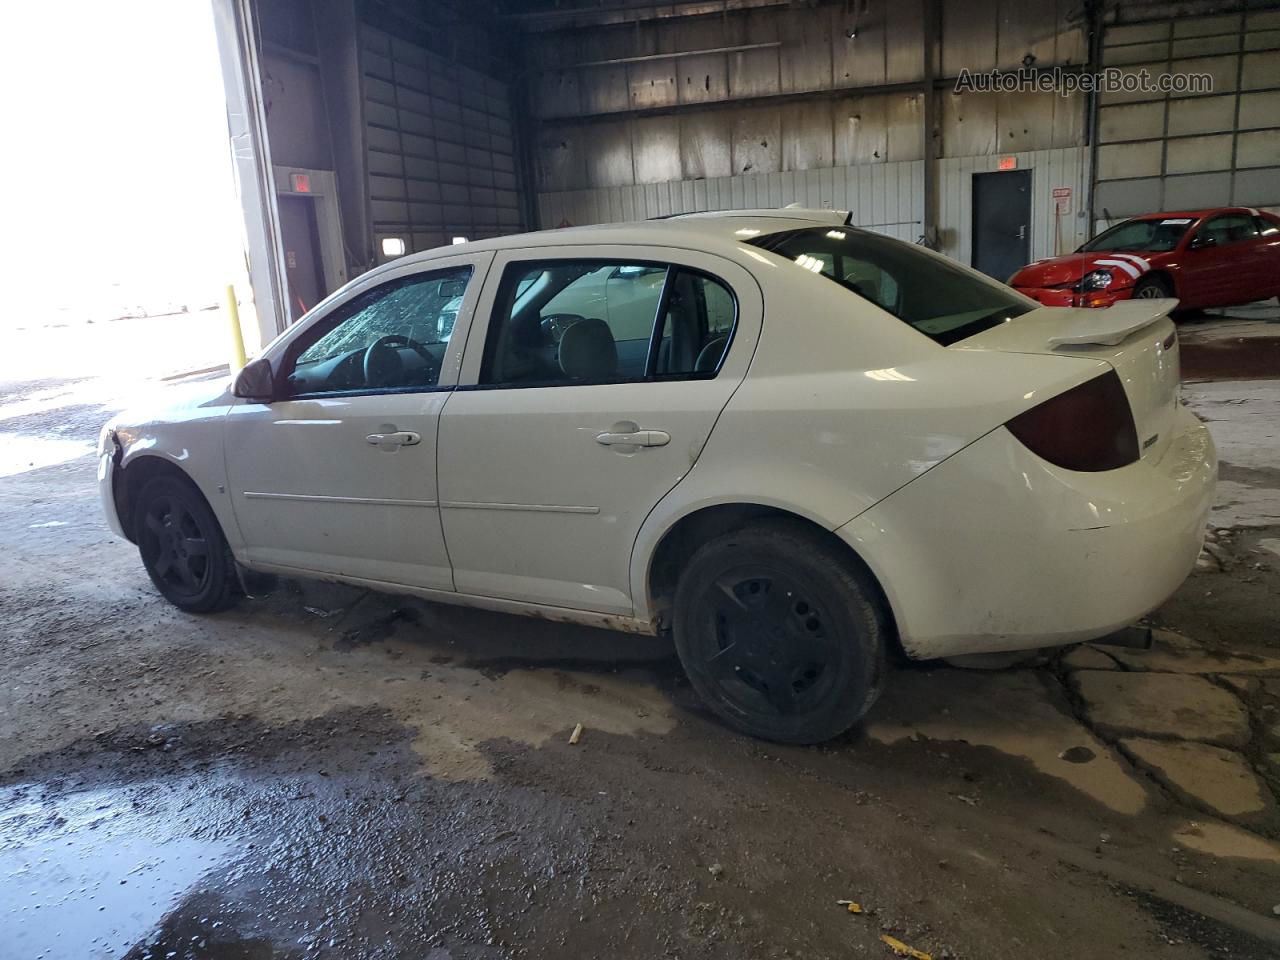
(126, 227)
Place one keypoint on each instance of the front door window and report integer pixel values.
(391, 338)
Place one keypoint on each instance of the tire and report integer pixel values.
(182, 546)
(780, 633)
(1152, 288)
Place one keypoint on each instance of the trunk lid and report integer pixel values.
(1136, 337)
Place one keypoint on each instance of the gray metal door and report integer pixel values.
(1001, 222)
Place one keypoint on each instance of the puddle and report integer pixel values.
(1223, 840)
(976, 708)
(88, 874)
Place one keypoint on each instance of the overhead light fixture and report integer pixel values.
(836, 234)
(393, 246)
(457, 240)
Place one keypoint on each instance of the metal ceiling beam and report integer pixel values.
(739, 48)
(600, 14)
(940, 84)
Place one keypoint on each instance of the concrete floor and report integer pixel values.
(324, 772)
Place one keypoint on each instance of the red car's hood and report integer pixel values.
(1126, 267)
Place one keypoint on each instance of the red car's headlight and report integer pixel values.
(1096, 280)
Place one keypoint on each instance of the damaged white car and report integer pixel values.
(796, 445)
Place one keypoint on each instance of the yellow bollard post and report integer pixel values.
(237, 337)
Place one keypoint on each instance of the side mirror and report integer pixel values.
(1202, 242)
(256, 382)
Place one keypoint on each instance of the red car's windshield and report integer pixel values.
(1157, 236)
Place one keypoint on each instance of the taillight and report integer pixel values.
(1088, 428)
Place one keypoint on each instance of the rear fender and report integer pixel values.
(828, 446)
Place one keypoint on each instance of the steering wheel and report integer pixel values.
(382, 363)
(555, 324)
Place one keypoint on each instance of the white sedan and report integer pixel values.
(796, 445)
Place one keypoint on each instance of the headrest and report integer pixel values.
(587, 351)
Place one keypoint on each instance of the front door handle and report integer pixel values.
(401, 438)
(635, 438)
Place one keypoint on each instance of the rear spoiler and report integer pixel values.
(1111, 325)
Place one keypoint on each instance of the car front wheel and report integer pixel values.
(1152, 288)
(781, 632)
(182, 546)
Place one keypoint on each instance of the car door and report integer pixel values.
(337, 475)
(564, 433)
(1266, 253)
(1218, 266)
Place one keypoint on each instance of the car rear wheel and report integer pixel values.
(182, 546)
(780, 632)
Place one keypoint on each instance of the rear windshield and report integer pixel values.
(1156, 236)
(944, 301)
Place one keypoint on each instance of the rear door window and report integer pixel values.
(561, 322)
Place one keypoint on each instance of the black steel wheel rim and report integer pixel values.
(768, 642)
(175, 546)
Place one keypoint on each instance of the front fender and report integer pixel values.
(187, 436)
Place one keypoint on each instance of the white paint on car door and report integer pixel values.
(312, 491)
(534, 505)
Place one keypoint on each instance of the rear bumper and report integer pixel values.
(1063, 297)
(995, 549)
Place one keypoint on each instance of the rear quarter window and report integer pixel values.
(944, 301)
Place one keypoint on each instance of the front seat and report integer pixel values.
(588, 352)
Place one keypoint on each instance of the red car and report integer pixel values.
(1205, 258)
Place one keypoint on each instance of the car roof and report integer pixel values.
(1196, 214)
(703, 230)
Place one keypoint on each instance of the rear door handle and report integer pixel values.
(401, 438)
(635, 438)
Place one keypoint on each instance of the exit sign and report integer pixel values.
(300, 182)
(1007, 163)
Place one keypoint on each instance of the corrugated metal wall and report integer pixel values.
(1159, 152)
(441, 149)
(824, 107)
(1052, 232)
(732, 141)
(886, 197)
(660, 63)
